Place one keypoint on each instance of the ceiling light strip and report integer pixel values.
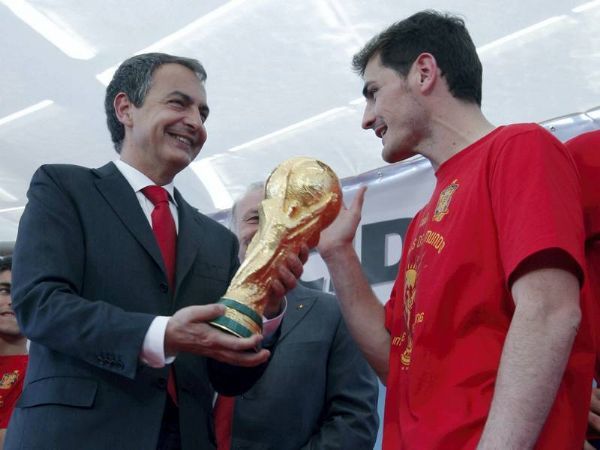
(105, 76)
(64, 38)
(211, 180)
(7, 196)
(29, 110)
(16, 208)
(289, 129)
(518, 35)
(586, 6)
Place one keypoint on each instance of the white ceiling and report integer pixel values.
(279, 79)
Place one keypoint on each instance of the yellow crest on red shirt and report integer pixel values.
(441, 209)
(8, 379)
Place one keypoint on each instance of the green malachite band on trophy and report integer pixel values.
(243, 309)
(230, 325)
(233, 326)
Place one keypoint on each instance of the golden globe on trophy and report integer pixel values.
(302, 197)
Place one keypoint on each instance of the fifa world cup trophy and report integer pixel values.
(302, 197)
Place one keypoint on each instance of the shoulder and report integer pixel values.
(527, 144)
(523, 131)
(584, 144)
(64, 170)
(68, 173)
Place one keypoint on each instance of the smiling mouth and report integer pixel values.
(380, 131)
(184, 140)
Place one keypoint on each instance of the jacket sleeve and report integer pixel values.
(48, 278)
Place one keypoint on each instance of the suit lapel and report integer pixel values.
(120, 196)
(189, 238)
(300, 301)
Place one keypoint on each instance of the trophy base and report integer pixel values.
(239, 319)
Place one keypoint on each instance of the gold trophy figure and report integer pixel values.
(302, 197)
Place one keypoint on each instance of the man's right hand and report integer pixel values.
(188, 331)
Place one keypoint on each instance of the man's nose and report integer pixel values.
(368, 118)
(193, 119)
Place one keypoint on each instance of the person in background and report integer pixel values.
(116, 277)
(585, 149)
(484, 342)
(13, 350)
(318, 392)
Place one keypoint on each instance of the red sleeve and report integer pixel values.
(536, 199)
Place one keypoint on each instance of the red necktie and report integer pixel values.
(163, 227)
(165, 233)
(223, 414)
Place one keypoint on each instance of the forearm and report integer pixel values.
(363, 312)
(534, 357)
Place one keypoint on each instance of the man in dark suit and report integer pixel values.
(318, 392)
(114, 287)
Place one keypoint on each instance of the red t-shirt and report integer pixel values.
(12, 372)
(508, 196)
(585, 149)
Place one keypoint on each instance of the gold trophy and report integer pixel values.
(302, 197)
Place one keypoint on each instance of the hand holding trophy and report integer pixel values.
(302, 197)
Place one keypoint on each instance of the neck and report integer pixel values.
(154, 171)
(13, 345)
(452, 130)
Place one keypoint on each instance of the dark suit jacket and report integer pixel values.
(318, 392)
(88, 280)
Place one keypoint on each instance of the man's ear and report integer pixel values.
(426, 72)
(123, 108)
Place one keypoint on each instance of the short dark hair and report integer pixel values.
(5, 263)
(444, 36)
(134, 78)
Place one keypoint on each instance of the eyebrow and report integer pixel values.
(4, 285)
(204, 109)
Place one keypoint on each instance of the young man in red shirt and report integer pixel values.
(479, 344)
(13, 350)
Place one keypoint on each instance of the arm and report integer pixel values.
(363, 312)
(350, 418)
(48, 278)
(534, 357)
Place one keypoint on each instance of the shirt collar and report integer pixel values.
(139, 181)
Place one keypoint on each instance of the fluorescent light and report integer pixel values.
(105, 76)
(60, 35)
(518, 35)
(357, 101)
(289, 129)
(586, 6)
(7, 196)
(31, 109)
(16, 208)
(212, 182)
